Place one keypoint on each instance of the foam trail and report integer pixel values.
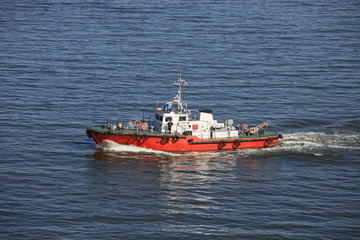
(317, 143)
(112, 146)
(314, 141)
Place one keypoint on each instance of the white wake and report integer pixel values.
(110, 146)
(316, 143)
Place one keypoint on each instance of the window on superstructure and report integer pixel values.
(168, 119)
(182, 118)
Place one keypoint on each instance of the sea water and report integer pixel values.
(67, 65)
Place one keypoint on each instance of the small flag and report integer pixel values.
(183, 82)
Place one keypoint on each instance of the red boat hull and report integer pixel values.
(174, 143)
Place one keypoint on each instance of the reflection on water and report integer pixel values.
(181, 168)
(188, 186)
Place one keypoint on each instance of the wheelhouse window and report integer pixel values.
(158, 117)
(168, 119)
(182, 118)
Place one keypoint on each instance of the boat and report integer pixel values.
(174, 128)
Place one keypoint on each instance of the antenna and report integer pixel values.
(178, 96)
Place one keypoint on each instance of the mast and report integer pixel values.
(178, 97)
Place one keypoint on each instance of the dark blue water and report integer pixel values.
(68, 65)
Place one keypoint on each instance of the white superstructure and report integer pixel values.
(202, 126)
